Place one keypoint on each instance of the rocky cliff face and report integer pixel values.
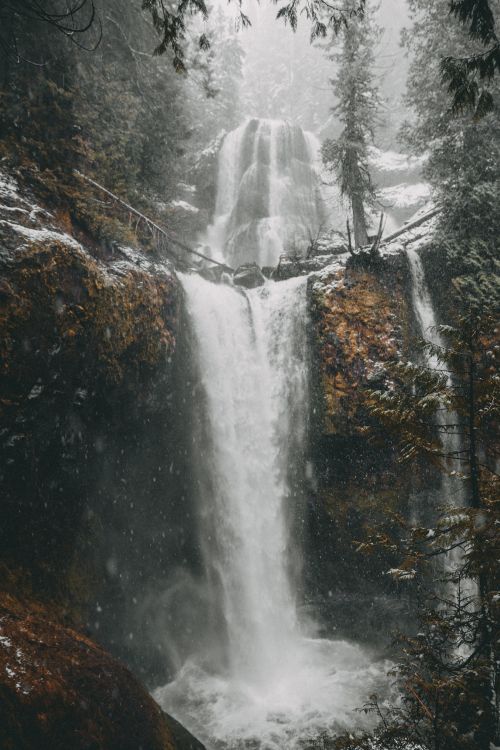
(361, 319)
(59, 689)
(361, 322)
(96, 516)
(88, 351)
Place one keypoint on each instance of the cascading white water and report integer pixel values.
(273, 684)
(269, 193)
(253, 371)
(453, 488)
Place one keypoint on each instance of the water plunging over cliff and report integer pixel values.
(453, 489)
(251, 350)
(269, 196)
(264, 680)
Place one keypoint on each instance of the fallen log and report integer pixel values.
(411, 225)
(152, 223)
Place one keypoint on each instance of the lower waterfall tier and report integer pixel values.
(270, 682)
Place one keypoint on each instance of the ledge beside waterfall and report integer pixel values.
(87, 338)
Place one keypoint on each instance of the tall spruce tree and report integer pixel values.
(357, 102)
(463, 156)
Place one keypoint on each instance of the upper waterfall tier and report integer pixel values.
(268, 193)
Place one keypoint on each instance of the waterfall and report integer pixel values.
(453, 488)
(251, 349)
(269, 195)
(268, 682)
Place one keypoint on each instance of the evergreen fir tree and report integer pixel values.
(463, 157)
(468, 75)
(356, 92)
(448, 673)
(214, 78)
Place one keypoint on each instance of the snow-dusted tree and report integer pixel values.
(448, 671)
(213, 84)
(356, 93)
(463, 154)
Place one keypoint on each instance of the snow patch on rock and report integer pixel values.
(41, 235)
(406, 196)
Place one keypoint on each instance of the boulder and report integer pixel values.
(249, 276)
(59, 690)
(214, 273)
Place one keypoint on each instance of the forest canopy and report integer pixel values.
(466, 76)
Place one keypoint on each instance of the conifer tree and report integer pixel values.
(356, 92)
(463, 156)
(214, 77)
(468, 76)
(448, 673)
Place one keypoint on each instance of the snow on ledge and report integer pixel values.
(185, 206)
(41, 235)
(8, 187)
(393, 161)
(406, 196)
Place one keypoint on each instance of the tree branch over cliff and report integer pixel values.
(72, 18)
(170, 20)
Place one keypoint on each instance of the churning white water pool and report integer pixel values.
(274, 685)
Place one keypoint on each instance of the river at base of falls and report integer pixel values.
(315, 693)
(262, 680)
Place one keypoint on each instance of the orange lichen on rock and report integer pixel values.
(59, 690)
(360, 318)
(57, 295)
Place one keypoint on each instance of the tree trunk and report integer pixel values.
(359, 222)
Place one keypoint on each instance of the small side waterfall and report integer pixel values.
(268, 683)
(453, 488)
(269, 194)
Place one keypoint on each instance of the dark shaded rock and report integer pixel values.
(75, 333)
(249, 275)
(92, 510)
(291, 266)
(214, 273)
(60, 690)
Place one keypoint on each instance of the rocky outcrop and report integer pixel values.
(92, 511)
(60, 690)
(79, 331)
(249, 276)
(361, 319)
